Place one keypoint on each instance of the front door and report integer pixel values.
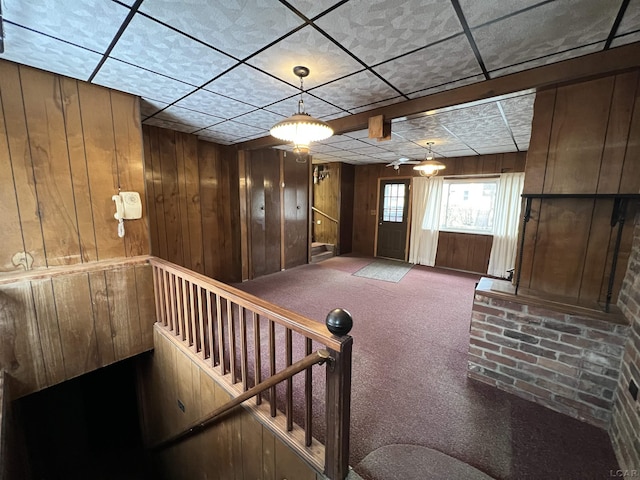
(392, 219)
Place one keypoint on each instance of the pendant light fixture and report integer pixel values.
(429, 167)
(301, 128)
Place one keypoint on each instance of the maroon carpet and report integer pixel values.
(409, 375)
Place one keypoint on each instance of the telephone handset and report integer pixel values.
(128, 207)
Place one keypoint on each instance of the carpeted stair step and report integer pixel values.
(321, 251)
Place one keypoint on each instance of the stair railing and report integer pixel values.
(239, 335)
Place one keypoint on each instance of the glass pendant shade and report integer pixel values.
(429, 168)
(301, 129)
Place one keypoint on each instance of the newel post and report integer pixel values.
(338, 388)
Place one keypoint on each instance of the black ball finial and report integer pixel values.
(339, 321)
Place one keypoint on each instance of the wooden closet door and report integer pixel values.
(296, 177)
(264, 208)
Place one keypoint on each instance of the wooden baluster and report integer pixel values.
(202, 343)
(243, 348)
(210, 330)
(338, 395)
(232, 342)
(308, 398)
(185, 313)
(256, 354)
(193, 318)
(157, 294)
(289, 382)
(173, 293)
(221, 348)
(166, 285)
(272, 365)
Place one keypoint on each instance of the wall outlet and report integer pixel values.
(633, 389)
(181, 405)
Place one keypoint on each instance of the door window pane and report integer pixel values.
(393, 202)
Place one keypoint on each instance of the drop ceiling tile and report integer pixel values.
(378, 30)
(214, 104)
(188, 117)
(236, 27)
(576, 52)
(466, 114)
(313, 106)
(155, 47)
(549, 29)
(30, 48)
(384, 103)
(349, 144)
(496, 149)
(86, 23)
(318, 148)
(311, 8)
(423, 122)
(368, 150)
(447, 86)
(463, 152)
(236, 129)
(150, 106)
(631, 19)
(260, 119)
(335, 139)
(355, 91)
(626, 39)
(480, 129)
(221, 138)
(129, 78)
(128, 2)
(477, 13)
(440, 64)
(326, 61)
(517, 106)
(252, 86)
(179, 127)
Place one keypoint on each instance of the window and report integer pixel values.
(468, 205)
(393, 207)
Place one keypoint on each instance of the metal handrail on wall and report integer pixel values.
(215, 321)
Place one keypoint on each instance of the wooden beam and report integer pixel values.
(582, 68)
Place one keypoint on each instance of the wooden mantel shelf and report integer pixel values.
(505, 290)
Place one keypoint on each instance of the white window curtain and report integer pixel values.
(505, 224)
(425, 220)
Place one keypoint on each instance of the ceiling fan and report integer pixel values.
(402, 161)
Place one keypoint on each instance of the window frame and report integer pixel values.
(445, 199)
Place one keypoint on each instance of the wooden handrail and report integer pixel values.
(318, 357)
(294, 321)
(324, 214)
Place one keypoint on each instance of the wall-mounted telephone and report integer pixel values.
(128, 207)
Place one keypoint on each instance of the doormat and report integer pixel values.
(385, 270)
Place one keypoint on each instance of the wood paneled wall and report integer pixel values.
(366, 195)
(65, 148)
(237, 447)
(585, 140)
(464, 251)
(58, 325)
(193, 198)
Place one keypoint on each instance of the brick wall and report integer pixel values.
(625, 423)
(569, 363)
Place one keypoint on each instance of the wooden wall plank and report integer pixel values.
(539, 143)
(182, 198)
(123, 311)
(347, 178)
(25, 190)
(102, 318)
(79, 169)
(75, 318)
(251, 449)
(49, 331)
(171, 197)
(578, 135)
(146, 307)
(127, 131)
(159, 223)
(21, 354)
(209, 186)
(230, 245)
(150, 191)
(11, 233)
(631, 168)
(97, 123)
(50, 159)
(289, 465)
(296, 208)
(192, 191)
(597, 244)
(617, 132)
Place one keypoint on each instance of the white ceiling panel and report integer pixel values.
(476, 13)
(631, 19)
(178, 127)
(85, 23)
(311, 8)
(246, 82)
(29, 48)
(260, 118)
(188, 117)
(354, 91)
(546, 30)
(153, 46)
(237, 27)
(626, 39)
(313, 106)
(129, 78)
(443, 63)
(150, 106)
(378, 30)
(214, 104)
(447, 86)
(326, 61)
